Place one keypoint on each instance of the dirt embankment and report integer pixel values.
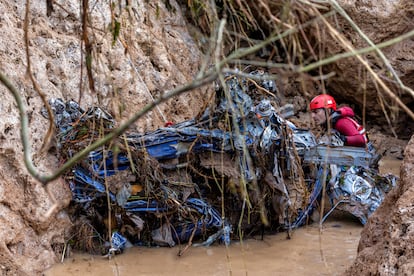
(154, 54)
(387, 241)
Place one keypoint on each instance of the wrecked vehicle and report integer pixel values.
(238, 169)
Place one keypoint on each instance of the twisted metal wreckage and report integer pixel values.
(239, 169)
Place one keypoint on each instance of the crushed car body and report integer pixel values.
(240, 168)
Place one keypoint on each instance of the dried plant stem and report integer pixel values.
(376, 48)
(369, 69)
(354, 52)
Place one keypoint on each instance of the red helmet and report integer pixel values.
(323, 101)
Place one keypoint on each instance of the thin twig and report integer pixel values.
(369, 69)
(376, 48)
(355, 52)
(49, 133)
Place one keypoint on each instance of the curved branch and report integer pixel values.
(207, 78)
(202, 79)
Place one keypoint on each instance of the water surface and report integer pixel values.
(312, 250)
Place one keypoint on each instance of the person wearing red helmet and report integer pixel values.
(325, 114)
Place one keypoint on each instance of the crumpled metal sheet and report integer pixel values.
(359, 190)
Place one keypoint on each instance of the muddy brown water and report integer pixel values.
(312, 250)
